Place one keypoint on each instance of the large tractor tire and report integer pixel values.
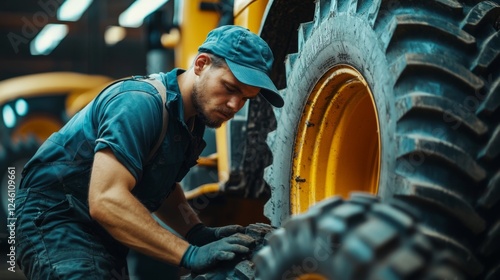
(399, 99)
(359, 238)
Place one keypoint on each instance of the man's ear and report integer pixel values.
(201, 62)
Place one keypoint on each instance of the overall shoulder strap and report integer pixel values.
(155, 80)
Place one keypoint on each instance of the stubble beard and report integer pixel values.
(198, 102)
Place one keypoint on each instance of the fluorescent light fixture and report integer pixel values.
(48, 39)
(134, 15)
(114, 34)
(72, 10)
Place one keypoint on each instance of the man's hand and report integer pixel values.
(199, 259)
(200, 234)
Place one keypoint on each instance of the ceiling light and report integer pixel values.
(114, 34)
(134, 15)
(48, 39)
(72, 10)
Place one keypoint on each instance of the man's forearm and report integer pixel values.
(128, 221)
(177, 213)
(112, 205)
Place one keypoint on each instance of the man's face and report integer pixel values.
(217, 95)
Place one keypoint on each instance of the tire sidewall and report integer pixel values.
(341, 39)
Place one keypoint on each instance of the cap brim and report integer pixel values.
(257, 78)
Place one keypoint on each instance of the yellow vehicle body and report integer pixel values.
(78, 89)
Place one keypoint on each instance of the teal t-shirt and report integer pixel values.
(127, 117)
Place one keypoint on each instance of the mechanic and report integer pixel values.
(88, 193)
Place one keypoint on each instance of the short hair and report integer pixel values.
(217, 61)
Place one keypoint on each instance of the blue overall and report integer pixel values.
(56, 238)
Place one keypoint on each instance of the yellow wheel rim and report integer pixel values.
(337, 149)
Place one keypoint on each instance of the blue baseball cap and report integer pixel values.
(248, 56)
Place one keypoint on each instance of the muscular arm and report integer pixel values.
(177, 213)
(112, 205)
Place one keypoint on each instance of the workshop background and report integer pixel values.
(91, 41)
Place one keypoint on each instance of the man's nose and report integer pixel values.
(235, 103)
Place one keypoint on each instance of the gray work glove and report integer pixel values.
(200, 234)
(199, 259)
